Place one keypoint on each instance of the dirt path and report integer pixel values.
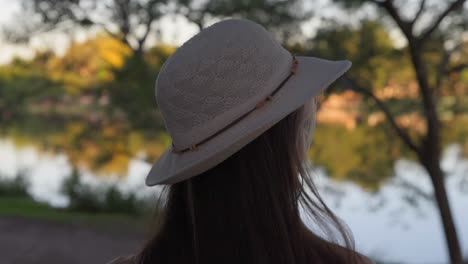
(27, 241)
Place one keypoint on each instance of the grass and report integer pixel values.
(28, 208)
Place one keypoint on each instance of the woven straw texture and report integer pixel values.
(199, 95)
(220, 75)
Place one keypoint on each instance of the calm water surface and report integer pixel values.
(397, 224)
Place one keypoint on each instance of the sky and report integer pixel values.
(7, 10)
(173, 31)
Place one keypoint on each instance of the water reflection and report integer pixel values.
(103, 145)
(46, 172)
(398, 223)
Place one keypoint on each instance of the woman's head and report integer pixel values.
(248, 208)
(224, 87)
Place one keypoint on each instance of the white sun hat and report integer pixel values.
(226, 86)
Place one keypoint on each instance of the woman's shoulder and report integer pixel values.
(124, 260)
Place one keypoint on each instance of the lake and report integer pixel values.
(397, 224)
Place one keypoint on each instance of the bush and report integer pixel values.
(86, 198)
(16, 187)
(116, 202)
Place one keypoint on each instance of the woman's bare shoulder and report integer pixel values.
(124, 260)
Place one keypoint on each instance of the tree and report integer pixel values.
(281, 16)
(133, 21)
(132, 91)
(369, 46)
(365, 154)
(86, 66)
(23, 82)
(446, 23)
(130, 21)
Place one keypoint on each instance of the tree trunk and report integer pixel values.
(432, 165)
(429, 155)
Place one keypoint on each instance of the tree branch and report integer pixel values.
(153, 15)
(414, 188)
(118, 37)
(452, 7)
(197, 15)
(458, 68)
(351, 84)
(405, 26)
(441, 70)
(142, 39)
(418, 14)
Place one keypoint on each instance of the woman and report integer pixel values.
(240, 110)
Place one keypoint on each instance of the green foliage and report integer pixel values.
(44, 82)
(375, 59)
(104, 148)
(269, 13)
(21, 83)
(86, 66)
(16, 187)
(397, 106)
(132, 90)
(116, 201)
(81, 197)
(363, 155)
(456, 131)
(103, 137)
(266, 12)
(84, 198)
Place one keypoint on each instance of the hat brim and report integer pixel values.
(313, 75)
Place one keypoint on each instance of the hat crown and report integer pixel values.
(217, 76)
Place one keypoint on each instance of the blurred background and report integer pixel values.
(79, 126)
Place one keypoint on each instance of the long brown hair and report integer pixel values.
(248, 209)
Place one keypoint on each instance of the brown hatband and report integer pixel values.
(257, 106)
